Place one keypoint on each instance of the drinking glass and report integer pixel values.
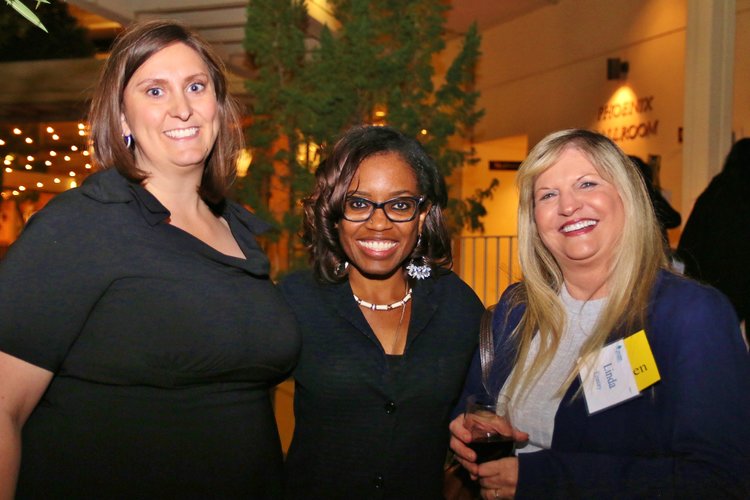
(487, 442)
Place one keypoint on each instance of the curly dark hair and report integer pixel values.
(324, 208)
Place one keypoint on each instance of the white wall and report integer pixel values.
(547, 71)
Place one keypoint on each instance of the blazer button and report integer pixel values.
(390, 407)
(378, 482)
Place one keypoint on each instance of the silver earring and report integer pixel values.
(128, 140)
(418, 271)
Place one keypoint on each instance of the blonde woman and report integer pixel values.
(595, 273)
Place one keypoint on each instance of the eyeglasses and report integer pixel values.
(401, 209)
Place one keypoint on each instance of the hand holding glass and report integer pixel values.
(482, 418)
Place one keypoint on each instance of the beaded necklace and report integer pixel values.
(388, 307)
(382, 307)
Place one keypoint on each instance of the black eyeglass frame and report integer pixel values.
(418, 199)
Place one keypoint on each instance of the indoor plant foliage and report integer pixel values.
(375, 66)
(26, 12)
(62, 37)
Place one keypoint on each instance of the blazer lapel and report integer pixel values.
(423, 308)
(340, 296)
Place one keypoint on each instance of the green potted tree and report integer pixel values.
(377, 65)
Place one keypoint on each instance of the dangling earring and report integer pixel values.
(341, 268)
(418, 271)
(128, 140)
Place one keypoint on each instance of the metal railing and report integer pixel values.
(488, 264)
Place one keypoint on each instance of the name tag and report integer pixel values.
(618, 372)
(642, 360)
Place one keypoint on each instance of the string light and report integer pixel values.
(34, 157)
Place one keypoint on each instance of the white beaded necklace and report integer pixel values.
(383, 307)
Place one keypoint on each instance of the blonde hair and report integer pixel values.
(638, 258)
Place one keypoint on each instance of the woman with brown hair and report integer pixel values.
(140, 332)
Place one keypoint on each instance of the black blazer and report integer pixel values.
(370, 425)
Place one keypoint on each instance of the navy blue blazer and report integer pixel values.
(687, 436)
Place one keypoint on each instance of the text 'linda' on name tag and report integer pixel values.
(618, 372)
(607, 377)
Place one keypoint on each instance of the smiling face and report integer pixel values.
(579, 214)
(170, 108)
(377, 247)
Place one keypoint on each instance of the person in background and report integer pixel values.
(387, 330)
(666, 216)
(715, 243)
(595, 272)
(140, 332)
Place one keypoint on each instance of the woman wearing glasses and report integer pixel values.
(388, 330)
